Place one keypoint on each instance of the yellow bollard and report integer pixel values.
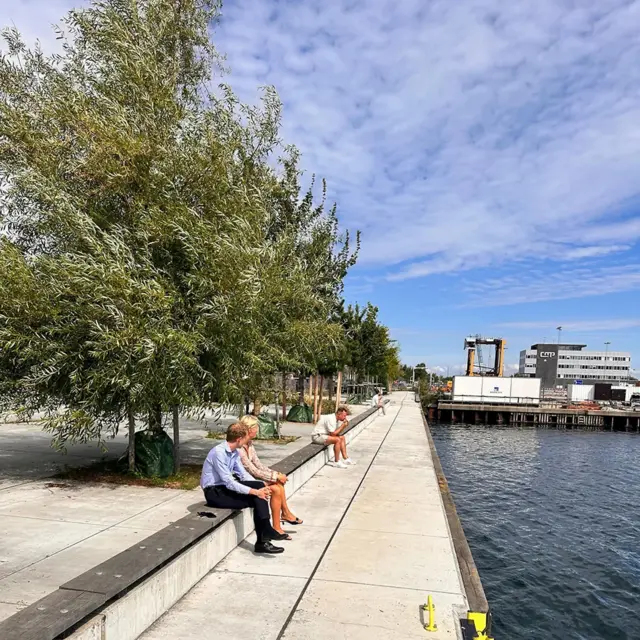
(482, 624)
(431, 608)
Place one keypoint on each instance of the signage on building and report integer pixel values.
(547, 364)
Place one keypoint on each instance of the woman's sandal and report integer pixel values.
(283, 536)
(296, 521)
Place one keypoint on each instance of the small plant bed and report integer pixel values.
(113, 472)
(221, 435)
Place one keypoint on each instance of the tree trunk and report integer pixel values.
(301, 383)
(155, 418)
(257, 405)
(339, 390)
(315, 400)
(284, 397)
(330, 384)
(321, 394)
(132, 440)
(275, 398)
(176, 440)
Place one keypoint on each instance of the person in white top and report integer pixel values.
(378, 401)
(327, 431)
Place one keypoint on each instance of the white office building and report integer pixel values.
(567, 363)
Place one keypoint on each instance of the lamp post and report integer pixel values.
(559, 330)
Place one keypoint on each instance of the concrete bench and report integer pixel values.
(120, 598)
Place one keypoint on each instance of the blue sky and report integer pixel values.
(489, 150)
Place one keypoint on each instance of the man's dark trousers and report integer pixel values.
(220, 496)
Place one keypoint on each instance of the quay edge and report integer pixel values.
(478, 622)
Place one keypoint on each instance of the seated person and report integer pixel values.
(378, 401)
(274, 480)
(327, 432)
(222, 490)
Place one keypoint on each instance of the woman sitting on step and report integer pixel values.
(280, 511)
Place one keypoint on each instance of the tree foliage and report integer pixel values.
(151, 254)
(369, 349)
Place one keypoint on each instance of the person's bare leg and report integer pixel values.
(286, 512)
(277, 492)
(343, 447)
(335, 441)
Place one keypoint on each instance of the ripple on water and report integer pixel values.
(553, 520)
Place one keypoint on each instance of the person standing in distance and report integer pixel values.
(327, 432)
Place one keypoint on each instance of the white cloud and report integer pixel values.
(532, 286)
(594, 251)
(459, 133)
(510, 369)
(454, 134)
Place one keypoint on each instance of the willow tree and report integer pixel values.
(152, 258)
(106, 230)
(370, 349)
(290, 322)
(89, 340)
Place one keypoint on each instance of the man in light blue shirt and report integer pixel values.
(227, 485)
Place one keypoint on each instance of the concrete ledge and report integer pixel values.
(120, 598)
(470, 577)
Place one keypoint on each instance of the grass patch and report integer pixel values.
(113, 472)
(221, 435)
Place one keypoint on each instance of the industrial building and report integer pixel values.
(564, 364)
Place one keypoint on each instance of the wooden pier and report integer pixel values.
(544, 416)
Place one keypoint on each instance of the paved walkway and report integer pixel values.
(374, 544)
(51, 530)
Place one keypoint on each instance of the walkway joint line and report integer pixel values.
(328, 544)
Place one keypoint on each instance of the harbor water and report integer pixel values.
(553, 521)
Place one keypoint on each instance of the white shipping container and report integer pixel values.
(526, 390)
(466, 386)
(496, 390)
(580, 392)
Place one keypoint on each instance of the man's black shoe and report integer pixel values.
(267, 547)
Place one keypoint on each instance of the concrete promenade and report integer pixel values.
(52, 530)
(374, 543)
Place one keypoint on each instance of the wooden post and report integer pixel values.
(275, 394)
(339, 390)
(132, 439)
(284, 397)
(315, 399)
(176, 440)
